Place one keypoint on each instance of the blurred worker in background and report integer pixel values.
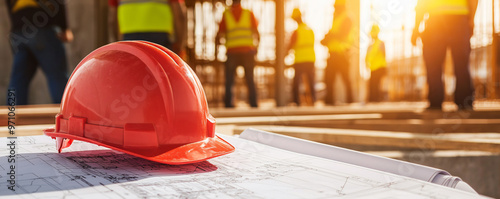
(338, 40)
(450, 25)
(38, 30)
(302, 43)
(158, 21)
(239, 27)
(375, 60)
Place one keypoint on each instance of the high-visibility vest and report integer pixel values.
(340, 44)
(304, 45)
(145, 16)
(238, 33)
(375, 57)
(450, 7)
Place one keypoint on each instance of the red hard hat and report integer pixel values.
(142, 99)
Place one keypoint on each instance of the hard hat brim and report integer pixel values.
(208, 148)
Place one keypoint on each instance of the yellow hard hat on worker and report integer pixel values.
(296, 14)
(375, 29)
(340, 2)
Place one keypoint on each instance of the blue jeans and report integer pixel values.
(161, 38)
(42, 49)
(441, 33)
(247, 61)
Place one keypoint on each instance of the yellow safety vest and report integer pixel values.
(238, 33)
(340, 45)
(145, 16)
(375, 57)
(450, 7)
(304, 45)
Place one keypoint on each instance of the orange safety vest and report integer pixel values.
(375, 57)
(238, 33)
(304, 45)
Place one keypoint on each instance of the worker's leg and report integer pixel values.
(375, 93)
(460, 48)
(249, 65)
(434, 52)
(50, 54)
(372, 87)
(296, 82)
(23, 69)
(344, 66)
(309, 71)
(230, 69)
(329, 78)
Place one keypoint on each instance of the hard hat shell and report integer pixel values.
(142, 99)
(375, 29)
(296, 14)
(340, 2)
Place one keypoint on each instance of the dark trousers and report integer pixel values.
(43, 49)
(337, 63)
(443, 32)
(161, 38)
(233, 61)
(375, 93)
(302, 69)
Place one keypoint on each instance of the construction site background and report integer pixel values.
(406, 73)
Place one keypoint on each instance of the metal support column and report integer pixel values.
(493, 82)
(101, 22)
(280, 54)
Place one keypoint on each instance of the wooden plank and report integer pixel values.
(293, 118)
(382, 138)
(25, 130)
(411, 125)
(42, 114)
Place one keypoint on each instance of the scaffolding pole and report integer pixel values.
(280, 54)
(493, 83)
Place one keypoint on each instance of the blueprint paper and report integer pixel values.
(397, 167)
(254, 170)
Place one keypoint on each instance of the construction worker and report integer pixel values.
(338, 40)
(450, 24)
(302, 43)
(239, 27)
(158, 21)
(375, 60)
(38, 30)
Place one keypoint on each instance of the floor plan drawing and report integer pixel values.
(253, 171)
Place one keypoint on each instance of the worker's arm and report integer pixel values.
(60, 19)
(178, 11)
(293, 40)
(114, 33)
(219, 35)
(255, 31)
(419, 16)
(382, 47)
(326, 39)
(368, 56)
(472, 14)
(342, 33)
